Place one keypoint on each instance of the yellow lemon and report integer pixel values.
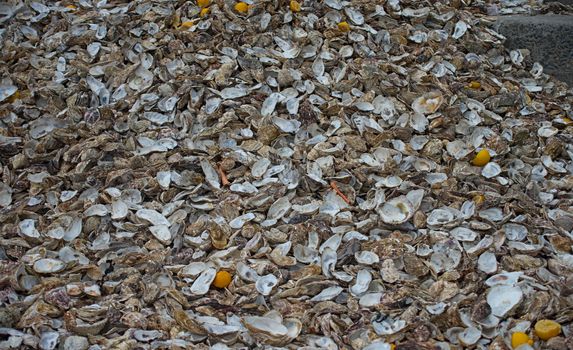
(187, 24)
(241, 7)
(479, 199)
(547, 329)
(519, 338)
(482, 158)
(222, 279)
(474, 85)
(14, 97)
(344, 26)
(203, 3)
(294, 6)
(176, 21)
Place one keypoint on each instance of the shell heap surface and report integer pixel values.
(281, 175)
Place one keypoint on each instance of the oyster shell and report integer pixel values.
(428, 103)
(502, 299)
(397, 210)
(265, 284)
(363, 279)
(48, 265)
(202, 284)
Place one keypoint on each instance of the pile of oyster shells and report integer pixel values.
(147, 145)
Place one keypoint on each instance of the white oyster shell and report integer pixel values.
(265, 284)
(327, 294)
(202, 284)
(487, 262)
(240, 221)
(502, 299)
(265, 325)
(27, 227)
(363, 279)
(397, 210)
(515, 232)
(470, 336)
(366, 257)
(153, 217)
(428, 103)
(48, 265)
(161, 232)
